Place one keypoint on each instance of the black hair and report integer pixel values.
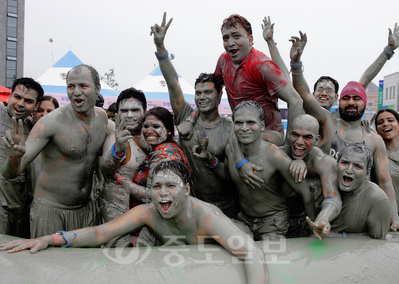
(174, 166)
(51, 99)
(132, 93)
(327, 78)
(209, 77)
(235, 20)
(30, 84)
(112, 107)
(99, 101)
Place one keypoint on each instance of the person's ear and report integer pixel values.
(336, 97)
(263, 125)
(317, 140)
(251, 40)
(187, 188)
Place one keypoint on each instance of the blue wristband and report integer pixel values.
(114, 153)
(344, 235)
(214, 165)
(388, 53)
(296, 66)
(240, 164)
(68, 237)
(163, 56)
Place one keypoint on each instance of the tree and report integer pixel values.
(109, 79)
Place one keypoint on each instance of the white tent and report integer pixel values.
(156, 92)
(54, 83)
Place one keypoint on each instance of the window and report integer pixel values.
(393, 92)
(11, 48)
(390, 92)
(386, 93)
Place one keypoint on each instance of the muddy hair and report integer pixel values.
(235, 20)
(94, 74)
(327, 78)
(51, 99)
(209, 77)
(394, 112)
(30, 84)
(175, 167)
(359, 148)
(134, 94)
(167, 119)
(252, 106)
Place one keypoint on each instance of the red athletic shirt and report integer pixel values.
(257, 78)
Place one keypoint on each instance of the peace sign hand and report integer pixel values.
(200, 151)
(14, 143)
(159, 32)
(121, 135)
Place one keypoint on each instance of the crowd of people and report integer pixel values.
(331, 175)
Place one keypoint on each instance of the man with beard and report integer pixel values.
(337, 134)
(69, 140)
(123, 152)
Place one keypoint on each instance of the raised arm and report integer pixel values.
(19, 155)
(168, 71)
(386, 54)
(268, 31)
(310, 105)
(114, 148)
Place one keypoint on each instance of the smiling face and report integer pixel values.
(351, 108)
(237, 43)
(133, 110)
(206, 97)
(154, 131)
(22, 102)
(302, 139)
(325, 94)
(247, 126)
(44, 108)
(81, 89)
(387, 126)
(168, 193)
(351, 171)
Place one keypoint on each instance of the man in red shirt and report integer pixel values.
(248, 74)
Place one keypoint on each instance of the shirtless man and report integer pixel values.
(70, 140)
(337, 134)
(210, 126)
(14, 193)
(319, 170)
(123, 152)
(365, 206)
(172, 212)
(264, 209)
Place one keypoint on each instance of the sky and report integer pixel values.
(344, 36)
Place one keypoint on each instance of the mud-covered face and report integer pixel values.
(154, 131)
(302, 140)
(325, 94)
(351, 108)
(22, 102)
(206, 97)
(247, 126)
(237, 43)
(168, 193)
(81, 89)
(387, 126)
(133, 110)
(44, 108)
(351, 171)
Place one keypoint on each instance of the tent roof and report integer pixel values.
(4, 90)
(53, 80)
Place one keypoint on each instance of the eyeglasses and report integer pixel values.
(328, 90)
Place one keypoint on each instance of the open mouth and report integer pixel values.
(347, 180)
(17, 111)
(387, 130)
(233, 51)
(298, 151)
(78, 102)
(165, 205)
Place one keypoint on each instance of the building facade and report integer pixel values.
(391, 91)
(12, 22)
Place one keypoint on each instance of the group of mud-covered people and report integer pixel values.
(331, 175)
